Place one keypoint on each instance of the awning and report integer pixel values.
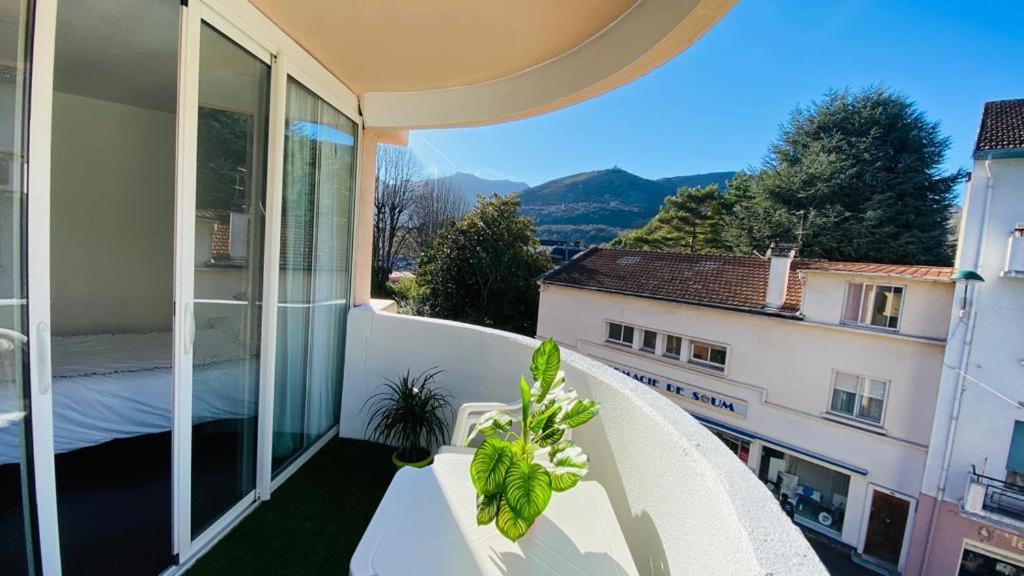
(784, 445)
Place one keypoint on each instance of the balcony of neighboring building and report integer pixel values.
(994, 500)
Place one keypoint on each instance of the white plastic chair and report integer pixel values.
(469, 414)
(467, 417)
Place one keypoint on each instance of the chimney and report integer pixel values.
(778, 274)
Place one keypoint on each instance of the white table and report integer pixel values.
(426, 524)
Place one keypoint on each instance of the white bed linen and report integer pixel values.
(119, 385)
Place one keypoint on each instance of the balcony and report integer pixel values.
(684, 502)
(994, 499)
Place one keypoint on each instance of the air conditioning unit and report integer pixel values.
(1015, 253)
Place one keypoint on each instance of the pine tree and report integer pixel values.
(690, 221)
(863, 173)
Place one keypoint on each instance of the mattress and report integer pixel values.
(114, 386)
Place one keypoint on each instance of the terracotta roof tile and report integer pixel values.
(1002, 126)
(901, 270)
(728, 281)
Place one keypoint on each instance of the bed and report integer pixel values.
(114, 386)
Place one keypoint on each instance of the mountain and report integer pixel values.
(472, 185)
(597, 206)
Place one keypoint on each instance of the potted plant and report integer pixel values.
(513, 476)
(413, 415)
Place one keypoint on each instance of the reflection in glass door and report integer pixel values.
(17, 522)
(314, 277)
(234, 88)
(111, 230)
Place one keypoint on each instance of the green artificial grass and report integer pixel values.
(312, 524)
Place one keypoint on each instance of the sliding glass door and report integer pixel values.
(142, 411)
(224, 331)
(313, 287)
(18, 529)
(111, 261)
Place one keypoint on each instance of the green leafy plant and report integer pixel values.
(411, 414)
(513, 479)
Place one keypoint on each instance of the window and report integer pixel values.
(818, 494)
(873, 305)
(738, 446)
(673, 346)
(620, 334)
(859, 397)
(650, 341)
(710, 355)
(1015, 459)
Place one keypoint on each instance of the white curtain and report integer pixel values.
(314, 281)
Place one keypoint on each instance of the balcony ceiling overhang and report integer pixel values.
(447, 63)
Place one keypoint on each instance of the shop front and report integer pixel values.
(818, 494)
(825, 493)
(976, 560)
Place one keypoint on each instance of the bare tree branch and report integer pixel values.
(398, 170)
(438, 201)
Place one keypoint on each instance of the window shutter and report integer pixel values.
(1015, 460)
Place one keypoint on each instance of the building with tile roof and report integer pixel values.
(1002, 129)
(820, 376)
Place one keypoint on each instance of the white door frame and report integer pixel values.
(38, 237)
(284, 69)
(244, 24)
(866, 519)
(193, 19)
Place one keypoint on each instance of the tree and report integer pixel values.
(690, 221)
(397, 172)
(437, 201)
(857, 177)
(484, 268)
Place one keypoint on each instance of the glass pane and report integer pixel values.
(230, 187)
(854, 293)
(112, 279)
(314, 276)
(650, 340)
(717, 356)
(615, 331)
(627, 334)
(699, 351)
(875, 388)
(673, 345)
(885, 308)
(847, 382)
(871, 409)
(16, 510)
(843, 401)
(818, 494)
(866, 304)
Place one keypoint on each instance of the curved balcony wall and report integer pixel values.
(685, 503)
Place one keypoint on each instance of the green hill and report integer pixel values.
(597, 206)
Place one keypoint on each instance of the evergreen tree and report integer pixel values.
(484, 268)
(690, 221)
(860, 175)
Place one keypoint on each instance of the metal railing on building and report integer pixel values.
(987, 494)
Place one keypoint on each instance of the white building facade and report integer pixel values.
(820, 376)
(971, 517)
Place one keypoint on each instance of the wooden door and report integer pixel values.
(887, 524)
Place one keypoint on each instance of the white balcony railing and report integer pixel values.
(685, 503)
(991, 496)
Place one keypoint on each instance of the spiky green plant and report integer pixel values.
(411, 414)
(512, 488)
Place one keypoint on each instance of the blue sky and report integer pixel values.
(718, 105)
